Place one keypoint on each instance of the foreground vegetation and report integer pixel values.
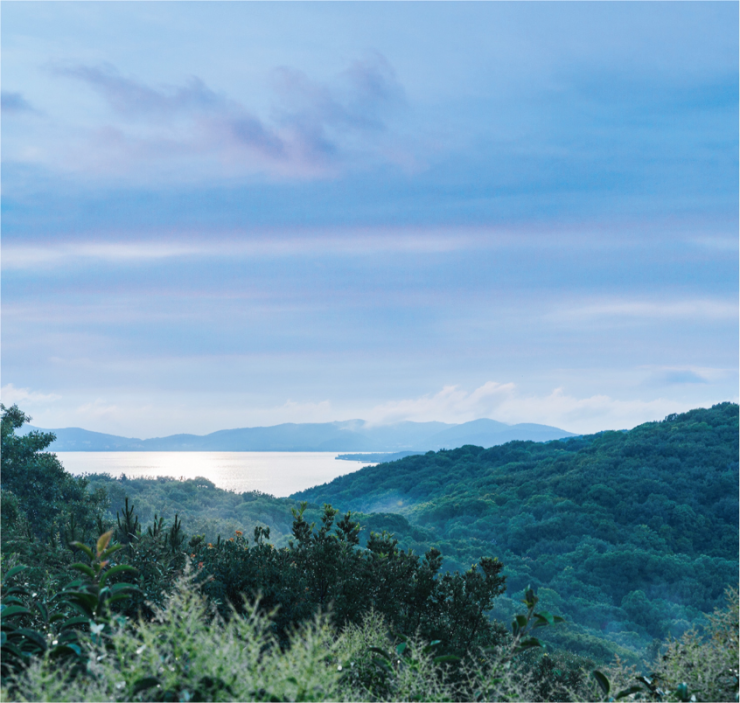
(127, 607)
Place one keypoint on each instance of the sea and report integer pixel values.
(278, 473)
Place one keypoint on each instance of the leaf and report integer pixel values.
(13, 611)
(68, 636)
(144, 683)
(400, 649)
(33, 636)
(111, 550)
(446, 658)
(85, 569)
(12, 572)
(41, 607)
(103, 542)
(602, 681)
(73, 622)
(381, 652)
(628, 692)
(529, 643)
(84, 603)
(65, 649)
(530, 599)
(120, 596)
(84, 548)
(12, 648)
(12, 600)
(115, 570)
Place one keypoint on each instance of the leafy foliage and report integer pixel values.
(325, 567)
(40, 497)
(696, 667)
(54, 628)
(189, 652)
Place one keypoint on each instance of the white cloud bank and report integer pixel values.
(505, 403)
(9, 395)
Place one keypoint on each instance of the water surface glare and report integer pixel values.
(277, 473)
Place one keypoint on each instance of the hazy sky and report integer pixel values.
(232, 214)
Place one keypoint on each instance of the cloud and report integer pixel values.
(11, 395)
(99, 410)
(31, 257)
(133, 98)
(313, 129)
(264, 244)
(705, 308)
(682, 376)
(451, 404)
(591, 414)
(677, 376)
(360, 99)
(506, 403)
(14, 103)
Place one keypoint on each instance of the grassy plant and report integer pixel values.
(189, 652)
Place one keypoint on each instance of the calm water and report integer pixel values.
(277, 473)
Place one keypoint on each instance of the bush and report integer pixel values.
(189, 652)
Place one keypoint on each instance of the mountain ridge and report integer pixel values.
(341, 436)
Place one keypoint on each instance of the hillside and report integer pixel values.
(631, 534)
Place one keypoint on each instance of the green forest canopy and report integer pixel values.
(629, 535)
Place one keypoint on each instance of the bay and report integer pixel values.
(277, 473)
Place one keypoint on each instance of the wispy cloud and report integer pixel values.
(133, 98)
(704, 308)
(310, 132)
(687, 375)
(100, 410)
(14, 103)
(681, 376)
(336, 241)
(10, 395)
(590, 414)
(506, 403)
(341, 243)
(452, 404)
(360, 98)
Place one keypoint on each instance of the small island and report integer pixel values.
(377, 458)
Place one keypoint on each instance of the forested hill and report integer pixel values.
(632, 533)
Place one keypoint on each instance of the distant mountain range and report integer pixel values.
(348, 436)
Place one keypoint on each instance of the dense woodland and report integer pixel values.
(512, 573)
(632, 535)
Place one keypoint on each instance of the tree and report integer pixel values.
(56, 505)
(327, 569)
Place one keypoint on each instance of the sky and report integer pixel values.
(220, 215)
